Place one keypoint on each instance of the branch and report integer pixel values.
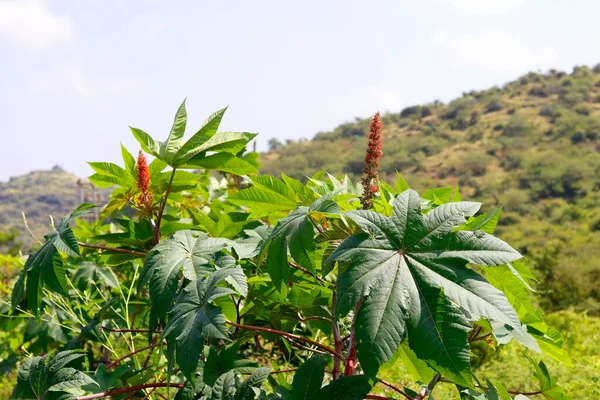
(337, 340)
(112, 364)
(299, 268)
(161, 209)
(113, 249)
(129, 389)
(509, 391)
(106, 328)
(350, 367)
(288, 335)
(427, 389)
(395, 388)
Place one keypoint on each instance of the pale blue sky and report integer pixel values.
(75, 74)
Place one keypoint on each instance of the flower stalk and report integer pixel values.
(372, 157)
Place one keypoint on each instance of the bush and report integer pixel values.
(495, 104)
(547, 111)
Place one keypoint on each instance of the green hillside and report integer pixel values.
(41, 194)
(531, 147)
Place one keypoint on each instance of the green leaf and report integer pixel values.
(296, 232)
(148, 144)
(219, 362)
(45, 268)
(174, 140)
(246, 389)
(308, 379)
(222, 162)
(109, 172)
(192, 146)
(267, 196)
(497, 392)
(40, 375)
(69, 378)
(485, 222)
(409, 269)
(194, 317)
(346, 388)
(548, 386)
(192, 252)
(224, 388)
(128, 160)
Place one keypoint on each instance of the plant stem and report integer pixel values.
(106, 328)
(129, 389)
(337, 340)
(426, 390)
(509, 391)
(113, 249)
(161, 209)
(299, 268)
(395, 388)
(350, 367)
(112, 364)
(288, 335)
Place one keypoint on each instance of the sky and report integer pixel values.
(75, 74)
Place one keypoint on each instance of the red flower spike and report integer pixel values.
(145, 198)
(371, 170)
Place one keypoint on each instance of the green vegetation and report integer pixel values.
(531, 147)
(255, 287)
(39, 195)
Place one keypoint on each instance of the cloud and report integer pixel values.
(484, 7)
(153, 30)
(73, 79)
(382, 100)
(30, 24)
(496, 51)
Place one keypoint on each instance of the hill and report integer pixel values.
(531, 147)
(40, 194)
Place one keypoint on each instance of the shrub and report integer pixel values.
(495, 104)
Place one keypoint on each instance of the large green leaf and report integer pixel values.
(48, 377)
(308, 379)
(548, 386)
(268, 195)
(222, 162)
(411, 273)
(148, 144)
(194, 253)
(45, 267)
(346, 388)
(174, 140)
(254, 381)
(194, 317)
(208, 130)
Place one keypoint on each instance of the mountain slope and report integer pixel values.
(531, 146)
(41, 194)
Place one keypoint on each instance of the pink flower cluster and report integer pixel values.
(371, 170)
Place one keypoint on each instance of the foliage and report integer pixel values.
(539, 152)
(250, 286)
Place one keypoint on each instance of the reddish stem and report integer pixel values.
(113, 249)
(350, 367)
(395, 388)
(161, 209)
(129, 389)
(337, 340)
(106, 328)
(288, 335)
(112, 364)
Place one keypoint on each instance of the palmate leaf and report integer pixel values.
(194, 253)
(47, 377)
(45, 267)
(296, 232)
(194, 317)
(411, 270)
